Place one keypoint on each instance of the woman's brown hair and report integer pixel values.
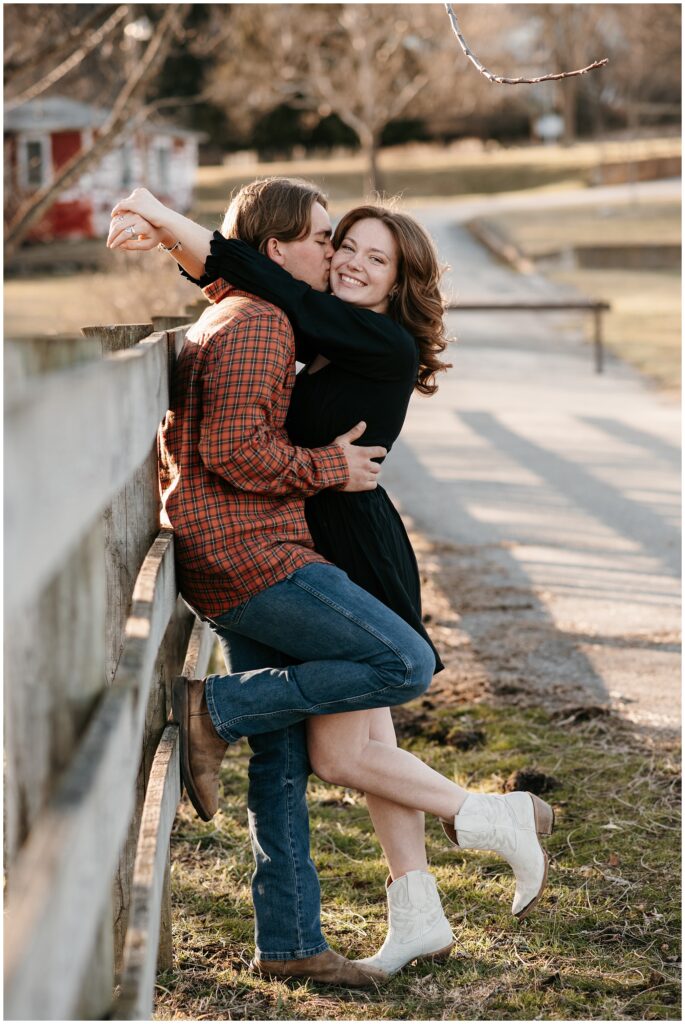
(415, 300)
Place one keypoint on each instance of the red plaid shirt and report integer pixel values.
(233, 486)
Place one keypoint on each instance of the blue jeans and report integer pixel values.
(313, 644)
(285, 885)
(348, 652)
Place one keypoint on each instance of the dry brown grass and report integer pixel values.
(430, 170)
(128, 290)
(604, 943)
(644, 324)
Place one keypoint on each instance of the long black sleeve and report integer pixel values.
(356, 339)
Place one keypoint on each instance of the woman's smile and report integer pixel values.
(352, 281)
(366, 262)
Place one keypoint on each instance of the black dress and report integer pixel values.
(371, 376)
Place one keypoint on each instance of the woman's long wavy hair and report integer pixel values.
(415, 299)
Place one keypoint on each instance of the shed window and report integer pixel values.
(35, 164)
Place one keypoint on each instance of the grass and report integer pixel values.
(123, 292)
(603, 943)
(644, 324)
(430, 170)
(345, 185)
(646, 223)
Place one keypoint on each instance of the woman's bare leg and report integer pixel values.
(342, 751)
(400, 829)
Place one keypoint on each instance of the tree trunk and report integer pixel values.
(372, 176)
(569, 90)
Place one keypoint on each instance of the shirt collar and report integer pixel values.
(218, 290)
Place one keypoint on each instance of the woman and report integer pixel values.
(383, 262)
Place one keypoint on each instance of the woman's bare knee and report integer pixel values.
(334, 748)
(328, 764)
(381, 727)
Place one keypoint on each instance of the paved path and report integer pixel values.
(565, 482)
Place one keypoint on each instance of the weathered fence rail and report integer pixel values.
(95, 631)
(594, 306)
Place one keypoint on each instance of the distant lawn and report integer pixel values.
(644, 325)
(539, 231)
(421, 170)
(128, 290)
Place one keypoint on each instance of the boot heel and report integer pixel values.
(440, 955)
(544, 816)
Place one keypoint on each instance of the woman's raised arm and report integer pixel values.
(186, 241)
(360, 340)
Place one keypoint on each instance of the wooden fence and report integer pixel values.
(595, 306)
(95, 631)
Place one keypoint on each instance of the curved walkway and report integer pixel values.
(565, 484)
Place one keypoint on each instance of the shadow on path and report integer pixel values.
(631, 519)
(517, 646)
(639, 438)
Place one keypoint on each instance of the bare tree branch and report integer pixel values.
(19, 56)
(513, 81)
(108, 135)
(71, 62)
(172, 101)
(406, 95)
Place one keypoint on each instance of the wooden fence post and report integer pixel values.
(85, 710)
(599, 350)
(52, 685)
(169, 323)
(131, 525)
(132, 519)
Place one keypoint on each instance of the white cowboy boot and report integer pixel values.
(417, 926)
(508, 825)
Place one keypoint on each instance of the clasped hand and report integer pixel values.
(136, 223)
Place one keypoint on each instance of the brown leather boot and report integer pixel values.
(202, 749)
(327, 968)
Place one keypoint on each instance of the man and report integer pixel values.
(299, 638)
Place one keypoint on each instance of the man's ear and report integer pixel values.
(274, 251)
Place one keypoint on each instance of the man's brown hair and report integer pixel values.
(272, 208)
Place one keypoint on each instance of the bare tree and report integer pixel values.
(645, 84)
(563, 29)
(129, 104)
(40, 35)
(642, 78)
(367, 63)
(371, 64)
(91, 42)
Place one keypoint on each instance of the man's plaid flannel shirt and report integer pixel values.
(233, 486)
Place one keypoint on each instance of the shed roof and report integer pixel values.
(60, 113)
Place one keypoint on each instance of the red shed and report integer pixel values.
(41, 136)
